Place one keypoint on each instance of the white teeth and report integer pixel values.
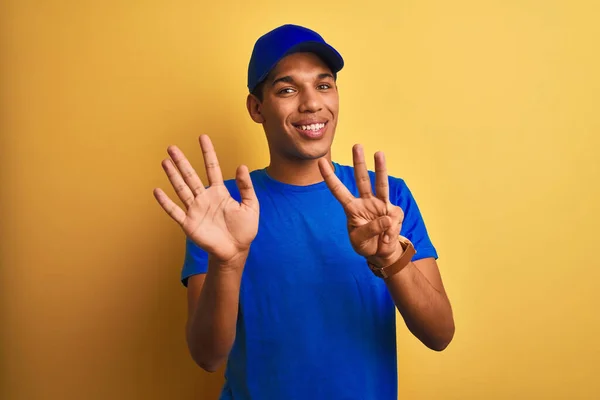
(312, 127)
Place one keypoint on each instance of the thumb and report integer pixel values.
(371, 229)
(244, 184)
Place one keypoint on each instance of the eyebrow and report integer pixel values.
(289, 79)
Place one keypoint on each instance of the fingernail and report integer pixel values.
(386, 238)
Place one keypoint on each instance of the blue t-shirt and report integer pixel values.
(313, 322)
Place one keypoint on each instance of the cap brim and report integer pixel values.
(327, 53)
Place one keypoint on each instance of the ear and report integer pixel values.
(254, 109)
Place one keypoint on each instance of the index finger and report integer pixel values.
(211, 162)
(337, 188)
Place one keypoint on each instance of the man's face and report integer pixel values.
(300, 107)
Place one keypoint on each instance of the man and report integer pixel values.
(299, 294)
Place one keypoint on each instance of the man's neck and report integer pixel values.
(301, 173)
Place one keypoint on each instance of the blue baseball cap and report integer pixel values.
(270, 48)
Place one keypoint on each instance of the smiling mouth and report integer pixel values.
(311, 131)
(311, 127)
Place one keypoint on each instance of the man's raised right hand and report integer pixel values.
(213, 220)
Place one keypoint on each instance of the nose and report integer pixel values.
(310, 101)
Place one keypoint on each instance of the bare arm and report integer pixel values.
(374, 223)
(213, 300)
(419, 295)
(224, 228)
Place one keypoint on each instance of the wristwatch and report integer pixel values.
(408, 251)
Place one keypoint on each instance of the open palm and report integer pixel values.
(373, 221)
(213, 220)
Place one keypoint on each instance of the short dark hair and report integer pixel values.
(258, 91)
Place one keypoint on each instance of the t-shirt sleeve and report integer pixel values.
(195, 262)
(413, 226)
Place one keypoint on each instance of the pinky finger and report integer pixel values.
(389, 242)
(169, 206)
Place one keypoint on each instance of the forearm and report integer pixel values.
(212, 326)
(425, 309)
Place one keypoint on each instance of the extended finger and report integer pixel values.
(181, 188)
(186, 170)
(371, 229)
(244, 184)
(361, 174)
(382, 190)
(211, 162)
(169, 206)
(337, 188)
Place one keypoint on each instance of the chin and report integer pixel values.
(313, 152)
(314, 149)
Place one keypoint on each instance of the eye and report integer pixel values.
(324, 86)
(287, 90)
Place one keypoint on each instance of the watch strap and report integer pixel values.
(407, 254)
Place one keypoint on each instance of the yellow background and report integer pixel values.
(488, 109)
